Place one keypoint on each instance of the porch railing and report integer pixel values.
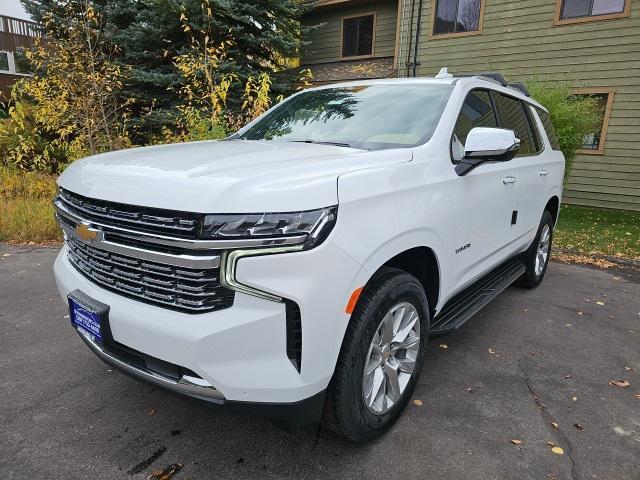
(16, 33)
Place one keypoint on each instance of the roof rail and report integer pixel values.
(495, 76)
(519, 86)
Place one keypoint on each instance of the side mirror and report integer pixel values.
(487, 145)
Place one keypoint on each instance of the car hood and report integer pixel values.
(234, 176)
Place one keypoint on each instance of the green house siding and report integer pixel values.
(325, 41)
(520, 40)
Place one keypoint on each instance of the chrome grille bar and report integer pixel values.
(154, 220)
(178, 243)
(192, 291)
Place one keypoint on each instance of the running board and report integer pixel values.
(467, 303)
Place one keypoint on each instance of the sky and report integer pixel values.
(12, 8)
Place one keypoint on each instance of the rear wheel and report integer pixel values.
(381, 357)
(536, 258)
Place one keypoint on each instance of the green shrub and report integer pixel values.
(572, 116)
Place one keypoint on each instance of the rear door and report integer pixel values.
(527, 167)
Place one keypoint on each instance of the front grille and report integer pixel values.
(169, 223)
(183, 289)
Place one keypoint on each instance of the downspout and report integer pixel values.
(413, 8)
(415, 51)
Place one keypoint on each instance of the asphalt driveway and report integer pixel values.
(527, 362)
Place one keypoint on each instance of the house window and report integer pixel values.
(357, 36)
(571, 11)
(4, 62)
(593, 142)
(457, 16)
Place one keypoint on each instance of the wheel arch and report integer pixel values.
(553, 207)
(420, 261)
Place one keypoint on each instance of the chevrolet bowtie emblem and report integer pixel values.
(85, 232)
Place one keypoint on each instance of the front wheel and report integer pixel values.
(536, 258)
(381, 357)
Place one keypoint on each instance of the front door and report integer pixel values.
(484, 200)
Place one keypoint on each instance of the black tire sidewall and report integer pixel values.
(387, 291)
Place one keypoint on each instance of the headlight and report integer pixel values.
(308, 228)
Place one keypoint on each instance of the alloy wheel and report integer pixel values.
(542, 251)
(391, 358)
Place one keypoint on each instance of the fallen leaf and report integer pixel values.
(578, 426)
(555, 424)
(417, 402)
(444, 345)
(599, 302)
(152, 412)
(619, 383)
(637, 395)
(516, 442)
(629, 369)
(557, 450)
(6, 255)
(551, 444)
(166, 474)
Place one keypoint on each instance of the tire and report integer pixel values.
(532, 258)
(345, 410)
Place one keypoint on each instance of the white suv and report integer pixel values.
(297, 268)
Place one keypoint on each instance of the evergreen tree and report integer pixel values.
(148, 35)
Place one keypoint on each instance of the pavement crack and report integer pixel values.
(547, 418)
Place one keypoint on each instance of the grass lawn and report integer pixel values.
(588, 231)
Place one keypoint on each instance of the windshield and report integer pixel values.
(368, 117)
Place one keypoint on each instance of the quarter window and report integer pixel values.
(357, 36)
(476, 111)
(456, 16)
(511, 115)
(548, 128)
(590, 8)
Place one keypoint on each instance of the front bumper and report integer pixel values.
(240, 352)
(286, 415)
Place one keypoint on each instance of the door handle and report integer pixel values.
(508, 180)
(543, 173)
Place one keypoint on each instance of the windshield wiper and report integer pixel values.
(337, 144)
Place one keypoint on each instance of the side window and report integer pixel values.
(548, 128)
(533, 127)
(511, 115)
(476, 111)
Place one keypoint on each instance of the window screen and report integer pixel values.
(588, 8)
(455, 16)
(476, 111)
(511, 115)
(548, 128)
(357, 36)
(593, 140)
